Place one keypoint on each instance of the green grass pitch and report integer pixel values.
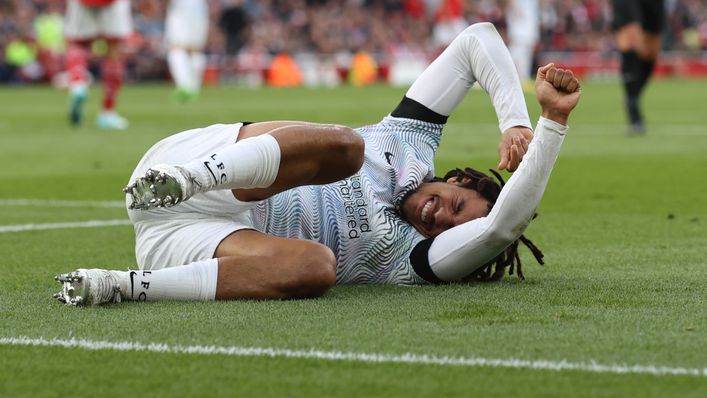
(623, 225)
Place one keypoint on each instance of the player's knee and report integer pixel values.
(321, 270)
(349, 148)
(316, 272)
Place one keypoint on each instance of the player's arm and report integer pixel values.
(478, 54)
(461, 250)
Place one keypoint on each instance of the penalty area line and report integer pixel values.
(408, 358)
(63, 225)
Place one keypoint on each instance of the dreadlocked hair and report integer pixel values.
(489, 189)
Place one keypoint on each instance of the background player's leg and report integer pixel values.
(112, 71)
(648, 56)
(638, 26)
(77, 68)
(186, 32)
(627, 39)
(181, 71)
(523, 30)
(478, 54)
(197, 60)
(639, 51)
(80, 29)
(522, 54)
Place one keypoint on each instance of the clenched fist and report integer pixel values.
(557, 91)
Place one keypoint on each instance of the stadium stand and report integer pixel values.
(322, 37)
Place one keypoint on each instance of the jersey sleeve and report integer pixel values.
(463, 249)
(476, 55)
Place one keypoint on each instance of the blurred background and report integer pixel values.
(337, 42)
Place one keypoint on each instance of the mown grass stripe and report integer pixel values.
(113, 204)
(62, 225)
(408, 358)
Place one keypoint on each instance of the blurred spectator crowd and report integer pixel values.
(246, 35)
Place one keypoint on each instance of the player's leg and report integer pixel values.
(653, 15)
(187, 69)
(626, 38)
(112, 72)
(268, 158)
(180, 69)
(649, 40)
(478, 54)
(187, 26)
(523, 29)
(311, 154)
(176, 27)
(649, 54)
(256, 265)
(197, 60)
(248, 265)
(522, 54)
(115, 26)
(638, 26)
(76, 61)
(80, 28)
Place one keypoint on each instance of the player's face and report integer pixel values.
(437, 206)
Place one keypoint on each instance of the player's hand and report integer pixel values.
(558, 92)
(513, 146)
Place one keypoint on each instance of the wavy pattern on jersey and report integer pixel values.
(298, 213)
(356, 217)
(418, 142)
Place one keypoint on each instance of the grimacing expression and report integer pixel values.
(435, 207)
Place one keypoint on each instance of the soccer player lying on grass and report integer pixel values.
(292, 208)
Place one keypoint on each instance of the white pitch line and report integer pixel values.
(62, 203)
(62, 225)
(408, 358)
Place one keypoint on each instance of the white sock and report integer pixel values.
(198, 63)
(249, 163)
(195, 281)
(180, 68)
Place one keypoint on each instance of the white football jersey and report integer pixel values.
(187, 23)
(357, 217)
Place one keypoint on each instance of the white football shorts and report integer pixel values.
(83, 22)
(192, 230)
(187, 24)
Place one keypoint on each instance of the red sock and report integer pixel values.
(76, 64)
(112, 73)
